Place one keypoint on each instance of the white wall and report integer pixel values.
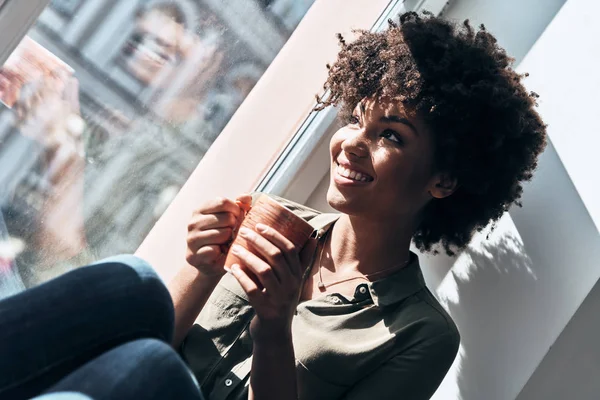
(571, 367)
(564, 71)
(563, 64)
(513, 295)
(517, 24)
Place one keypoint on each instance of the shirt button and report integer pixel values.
(228, 382)
(362, 290)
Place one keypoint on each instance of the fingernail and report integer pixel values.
(261, 228)
(244, 232)
(236, 249)
(227, 269)
(235, 269)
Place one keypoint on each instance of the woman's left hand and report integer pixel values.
(272, 285)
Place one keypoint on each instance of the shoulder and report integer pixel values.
(426, 343)
(426, 323)
(441, 321)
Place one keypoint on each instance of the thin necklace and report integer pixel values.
(322, 286)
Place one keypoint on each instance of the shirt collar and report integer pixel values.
(398, 286)
(322, 222)
(390, 290)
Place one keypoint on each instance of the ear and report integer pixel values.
(442, 185)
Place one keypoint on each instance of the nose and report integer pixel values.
(356, 144)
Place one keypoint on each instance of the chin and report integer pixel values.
(339, 202)
(333, 200)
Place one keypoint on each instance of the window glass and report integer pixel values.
(107, 107)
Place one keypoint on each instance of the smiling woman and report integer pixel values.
(440, 136)
(382, 144)
(457, 86)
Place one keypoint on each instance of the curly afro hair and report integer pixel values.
(487, 134)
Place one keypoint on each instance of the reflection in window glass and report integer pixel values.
(107, 109)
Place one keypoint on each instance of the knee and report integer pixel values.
(161, 358)
(139, 274)
(139, 369)
(146, 292)
(150, 350)
(142, 268)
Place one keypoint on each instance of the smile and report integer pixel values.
(352, 175)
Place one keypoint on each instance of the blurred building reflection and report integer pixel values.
(88, 165)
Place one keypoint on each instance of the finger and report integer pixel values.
(198, 238)
(287, 248)
(268, 251)
(206, 255)
(212, 221)
(250, 287)
(263, 271)
(244, 201)
(220, 204)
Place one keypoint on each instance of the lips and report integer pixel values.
(352, 173)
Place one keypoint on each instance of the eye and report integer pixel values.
(354, 120)
(392, 136)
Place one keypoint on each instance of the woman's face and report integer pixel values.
(153, 46)
(382, 163)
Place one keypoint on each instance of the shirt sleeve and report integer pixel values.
(412, 375)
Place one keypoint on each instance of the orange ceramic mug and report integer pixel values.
(269, 212)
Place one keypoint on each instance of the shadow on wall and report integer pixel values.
(493, 281)
(513, 294)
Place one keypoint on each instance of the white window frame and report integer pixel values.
(16, 18)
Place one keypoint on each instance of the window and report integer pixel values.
(107, 109)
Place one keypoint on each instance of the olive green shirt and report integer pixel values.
(391, 340)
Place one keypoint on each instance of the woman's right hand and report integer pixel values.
(210, 233)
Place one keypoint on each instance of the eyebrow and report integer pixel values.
(391, 118)
(400, 120)
(363, 110)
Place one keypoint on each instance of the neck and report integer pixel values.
(369, 246)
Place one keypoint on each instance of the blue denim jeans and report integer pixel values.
(100, 331)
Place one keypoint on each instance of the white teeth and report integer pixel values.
(357, 176)
(150, 53)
